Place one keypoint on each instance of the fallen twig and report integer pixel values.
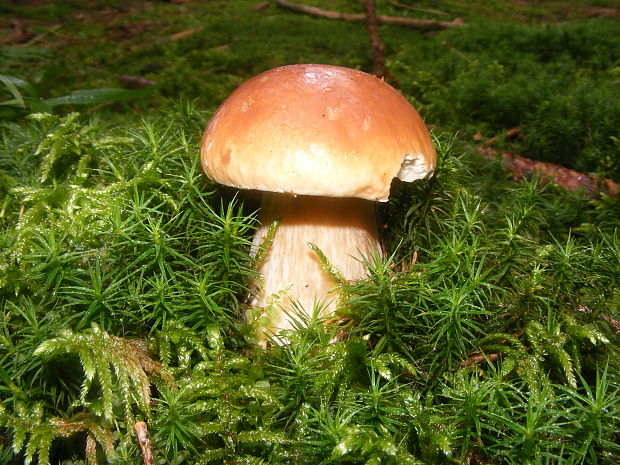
(615, 324)
(183, 34)
(135, 82)
(479, 357)
(40, 37)
(413, 8)
(425, 24)
(143, 439)
(526, 168)
(378, 58)
(456, 51)
(261, 6)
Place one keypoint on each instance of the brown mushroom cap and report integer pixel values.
(317, 130)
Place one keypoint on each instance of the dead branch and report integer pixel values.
(413, 8)
(424, 24)
(144, 441)
(526, 168)
(378, 58)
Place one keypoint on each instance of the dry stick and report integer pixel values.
(457, 51)
(479, 357)
(40, 37)
(135, 82)
(378, 58)
(425, 24)
(143, 440)
(413, 8)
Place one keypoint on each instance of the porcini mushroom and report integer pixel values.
(323, 143)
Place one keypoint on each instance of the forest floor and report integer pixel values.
(488, 332)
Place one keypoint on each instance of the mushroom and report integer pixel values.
(324, 143)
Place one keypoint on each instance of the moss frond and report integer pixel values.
(101, 353)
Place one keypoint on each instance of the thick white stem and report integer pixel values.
(344, 229)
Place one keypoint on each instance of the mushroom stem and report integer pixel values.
(344, 229)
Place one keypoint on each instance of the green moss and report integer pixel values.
(488, 334)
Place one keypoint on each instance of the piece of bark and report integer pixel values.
(424, 24)
(526, 168)
(144, 441)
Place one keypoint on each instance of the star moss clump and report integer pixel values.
(488, 335)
